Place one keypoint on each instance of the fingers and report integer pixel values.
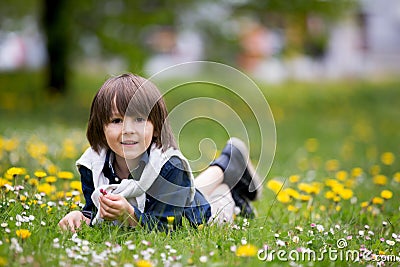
(68, 224)
(109, 209)
(72, 221)
(112, 207)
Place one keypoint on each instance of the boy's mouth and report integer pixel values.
(129, 142)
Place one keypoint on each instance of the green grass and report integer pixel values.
(324, 131)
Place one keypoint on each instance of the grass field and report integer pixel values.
(331, 197)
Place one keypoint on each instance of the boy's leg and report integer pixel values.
(208, 180)
(233, 169)
(222, 205)
(239, 173)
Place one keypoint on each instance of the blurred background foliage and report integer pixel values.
(123, 29)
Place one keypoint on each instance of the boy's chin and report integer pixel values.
(132, 156)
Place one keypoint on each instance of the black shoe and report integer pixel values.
(240, 174)
(246, 210)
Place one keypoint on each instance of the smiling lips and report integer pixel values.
(129, 142)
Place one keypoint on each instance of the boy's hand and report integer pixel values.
(116, 207)
(72, 221)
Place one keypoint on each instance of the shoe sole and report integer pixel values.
(255, 183)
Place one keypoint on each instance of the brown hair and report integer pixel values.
(129, 94)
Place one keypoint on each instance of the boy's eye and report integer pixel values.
(140, 119)
(116, 120)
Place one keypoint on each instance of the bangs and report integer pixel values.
(137, 100)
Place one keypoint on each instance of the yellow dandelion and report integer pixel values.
(291, 192)
(274, 185)
(330, 194)
(331, 182)
(65, 175)
(143, 263)
(396, 177)
(52, 169)
(356, 172)
(337, 188)
(170, 219)
(293, 208)
(76, 185)
(23, 233)
(69, 149)
(32, 202)
(313, 188)
(316, 188)
(40, 174)
(379, 179)
(386, 194)
(341, 175)
(387, 158)
(338, 208)
(76, 198)
(46, 188)
(10, 144)
(3, 182)
(22, 198)
(247, 250)
(377, 200)
(33, 182)
(336, 199)
(51, 179)
(283, 197)
(364, 204)
(312, 144)
(15, 171)
(332, 165)
(294, 178)
(307, 188)
(346, 193)
(37, 149)
(60, 194)
(305, 197)
(322, 208)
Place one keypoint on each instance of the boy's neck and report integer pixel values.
(121, 166)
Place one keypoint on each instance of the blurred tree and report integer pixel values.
(119, 27)
(56, 27)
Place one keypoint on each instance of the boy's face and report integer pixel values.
(128, 136)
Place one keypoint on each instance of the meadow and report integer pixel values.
(331, 197)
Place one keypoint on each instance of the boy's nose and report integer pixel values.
(129, 126)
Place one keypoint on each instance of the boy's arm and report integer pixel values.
(87, 189)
